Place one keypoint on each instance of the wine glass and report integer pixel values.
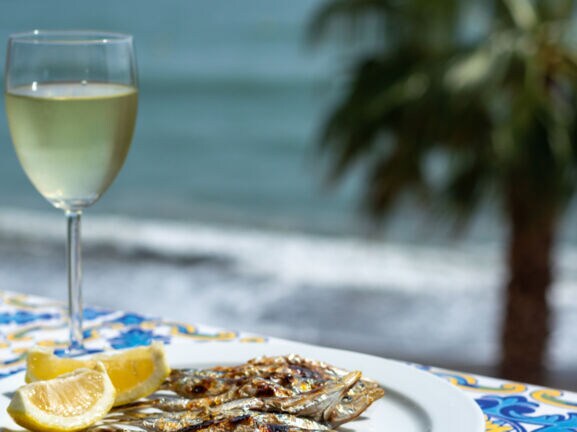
(71, 101)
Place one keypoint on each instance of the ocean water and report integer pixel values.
(222, 211)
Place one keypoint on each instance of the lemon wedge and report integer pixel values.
(67, 403)
(135, 372)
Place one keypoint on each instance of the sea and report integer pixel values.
(222, 213)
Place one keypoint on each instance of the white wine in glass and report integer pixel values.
(71, 100)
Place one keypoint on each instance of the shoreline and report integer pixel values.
(381, 301)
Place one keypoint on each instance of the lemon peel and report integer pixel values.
(135, 372)
(67, 403)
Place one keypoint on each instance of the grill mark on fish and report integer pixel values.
(277, 428)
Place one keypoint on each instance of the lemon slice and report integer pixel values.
(70, 402)
(135, 372)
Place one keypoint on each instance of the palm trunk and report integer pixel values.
(525, 331)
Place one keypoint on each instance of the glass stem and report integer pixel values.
(74, 267)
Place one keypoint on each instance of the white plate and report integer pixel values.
(415, 401)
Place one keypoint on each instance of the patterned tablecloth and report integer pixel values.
(27, 320)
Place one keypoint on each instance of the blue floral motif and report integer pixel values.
(130, 319)
(87, 333)
(10, 373)
(515, 410)
(91, 313)
(25, 317)
(136, 337)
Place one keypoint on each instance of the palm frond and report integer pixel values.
(503, 109)
(554, 10)
(389, 178)
(523, 13)
(483, 66)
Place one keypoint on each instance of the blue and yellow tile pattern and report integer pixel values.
(27, 320)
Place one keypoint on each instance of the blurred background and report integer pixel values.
(223, 214)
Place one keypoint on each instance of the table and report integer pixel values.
(28, 320)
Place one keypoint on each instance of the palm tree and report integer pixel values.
(489, 88)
